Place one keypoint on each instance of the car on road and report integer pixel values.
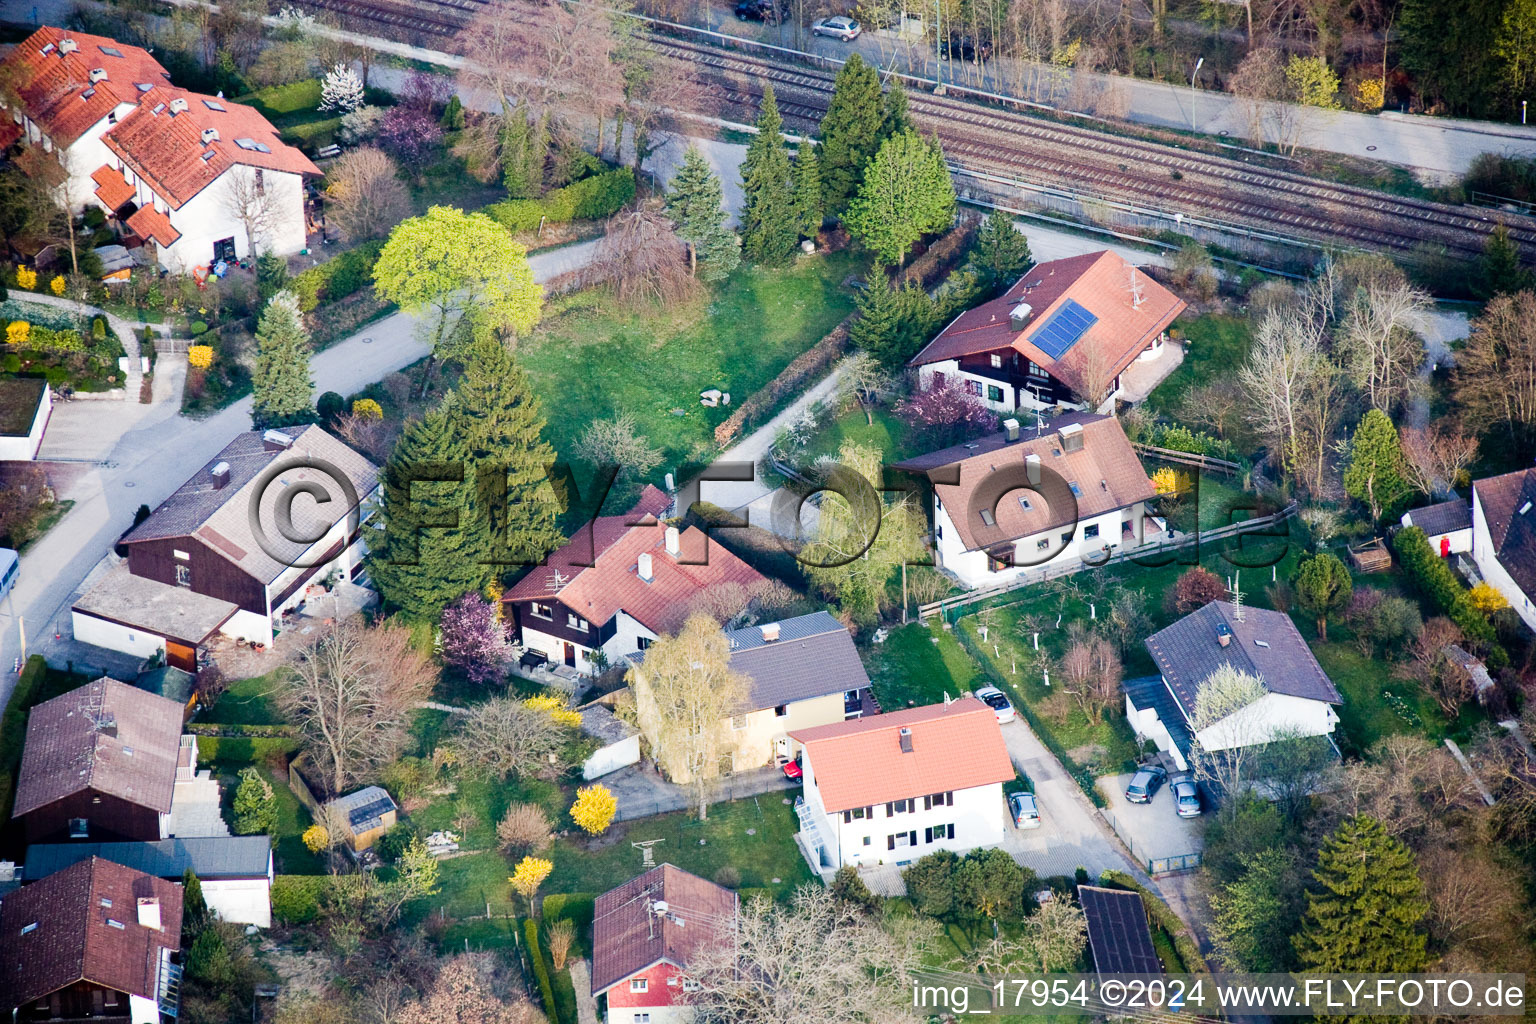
(995, 699)
(766, 11)
(10, 570)
(965, 48)
(1145, 783)
(841, 27)
(1025, 811)
(1186, 797)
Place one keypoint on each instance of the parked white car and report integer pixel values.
(995, 699)
(840, 27)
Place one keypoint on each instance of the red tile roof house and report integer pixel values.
(620, 583)
(1061, 325)
(895, 787)
(195, 175)
(94, 942)
(1504, 538)
(197, 567)
(106, 762)
(1016, 502)
(643, 935)
(1299, 698)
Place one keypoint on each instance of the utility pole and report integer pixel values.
(938, 43)
(1192, 95)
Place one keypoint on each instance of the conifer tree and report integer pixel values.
(422, 548)
(878, 327)
(696, 205)
(194, 907)
(850, 134)
(906, 194)
(1498, 269)
(808, 209)
(1376, 472)
(280, 384)
(894, 118)
(768, 233)
(255, 805)
(1365, 916)
(1001, 253)
(499, 421)
(523, 147)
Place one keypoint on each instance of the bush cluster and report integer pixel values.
(1440, 585)
(214, 729)
(336, 278)
(594, 198)
(245, 748)
(37, 338)
(540, 968)
(1178, 438)
(296, 898)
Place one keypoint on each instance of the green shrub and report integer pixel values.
(199, 327)
(540, 968)
(336, 278)
(240, 749)
(576, 906)
(1436, 581)
(296, 898)
(214, 729)
(95, 217)
(312, 133)
(1183, 942)
(98, 324)
(594, 198)
(13, 726)
(516, 214)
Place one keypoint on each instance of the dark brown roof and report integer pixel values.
(1106, 470)
(87, 928)
(628, 935)
(1446, 517)
(1100, 282)
(20, 398)
(1509, 506)
(1117, 931)
(107, 737)
(1264, 643)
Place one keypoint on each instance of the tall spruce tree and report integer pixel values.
(895, 118)
(1376, 473)
(516, 137)
(280, 384)
(906, 194)
(423, 550)
(1498, 269)
(498, 419)
(878, 328)
(850, 134)
(768, 233)
(695, 203)
(1365, 915)
(1001, 253)
(808, 209)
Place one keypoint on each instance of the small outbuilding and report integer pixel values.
(619, 742)
(366, 815)
(25, 405)
(1448, 525)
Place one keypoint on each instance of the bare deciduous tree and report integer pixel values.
(685, 696)
(471, 989)
(1095, 376)
(505, 737)
(863, 380)
(642, 257)
(1380, 338)
(525, 827)
(365, 197)
(1291, 388)
(1226, 740)
(618, 442)
(351, 693)
(247, 200)
(1090, 672)
(1495, 378)
(1436, 456)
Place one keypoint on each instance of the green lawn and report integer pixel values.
(293, 857)
(601, 358)
(1218, 344)
(887, 434)
(247, 702)
(919, 664)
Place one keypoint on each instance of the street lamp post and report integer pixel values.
(938, 60)
(1522, 111)
(1192, 76)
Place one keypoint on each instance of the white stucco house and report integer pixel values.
(198, 178)
(1299, 698)
(26, 403)
(892, 788)
(1070, 492)
(1447, 526)
(1504, 538)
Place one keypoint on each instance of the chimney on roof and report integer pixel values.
(178, 105)
(906, 740)
(220, 475)
(674, 542)
(210, 135)
(1018, 316)
(67, 46)
(1032, 467)
(108, 725)
(276, 440)
(643, 566)
(98, 75)
(149, 912)
(770, 632)
(1071, 437)
(1223, 634)
(1011, 429)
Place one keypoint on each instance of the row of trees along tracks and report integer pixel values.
(1032, 150)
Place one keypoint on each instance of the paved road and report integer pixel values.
(148, 455)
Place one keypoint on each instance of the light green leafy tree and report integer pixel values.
(280, 384)
(1313, 82)
(907, 193)
(1323, 587)
(1256, 915)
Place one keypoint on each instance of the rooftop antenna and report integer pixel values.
(1136, 297)
(1237, 596)
(1036, 389)
(647, 856)
(558, 580)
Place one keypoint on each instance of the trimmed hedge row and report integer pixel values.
(577, 906)
(594, 198)
(540, 969)
(1178, 438)
(1440, 585)
(241, 749)
(312, 132)
(336, 278)
(13, 727)
(217, 730)
(1183, 940)
(296, 898)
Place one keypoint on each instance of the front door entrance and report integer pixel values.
(224, 249)
(570, 654)
(180, 656)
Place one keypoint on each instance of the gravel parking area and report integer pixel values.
(1153, 831)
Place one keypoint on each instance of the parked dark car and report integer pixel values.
(1145, 783)
(958, 47)
(766, 11)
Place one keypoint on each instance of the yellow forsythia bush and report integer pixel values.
(529, 875)
(556, 709)
(594, 808)
(18, 332)
(57, 285)
(26, 278)
(1485, 599)
(1165, 480)
(316, 838)
(368, 409)
(200, 356)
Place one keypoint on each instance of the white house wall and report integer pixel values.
(971, 566)
(24, 449)
(208, 217)
(1146, 724)
(240, 900)
(1492, 572)
(89, 629)
(611, 758)
(1275, 714)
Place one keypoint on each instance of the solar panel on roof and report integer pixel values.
(1063, 329)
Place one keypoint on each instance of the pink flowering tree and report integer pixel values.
(412, 136)
(945, 413)
(473, 641)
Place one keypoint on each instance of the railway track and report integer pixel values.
(1035, 151)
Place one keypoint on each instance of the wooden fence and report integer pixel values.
(1030, 578)
(1205, 462)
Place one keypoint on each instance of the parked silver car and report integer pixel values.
(1186, 798)
(841, 27)
(1026, 813)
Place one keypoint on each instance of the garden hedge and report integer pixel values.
(540, 969)
(245, 749)
(312, 133)
(336, 278)
(249, 731)
(594, 198)
(13, 726)
(577, 906)
(296, 898)
(1183, 939)
(1435, 579)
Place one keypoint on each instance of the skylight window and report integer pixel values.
(252, 144)
(1024, 504)
(143, 86)
(208, 156)
(1077, 492)
(158, 108)
(110, 51)
(88, 94)
(117, 924)
(213, 104)
(986, 517)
